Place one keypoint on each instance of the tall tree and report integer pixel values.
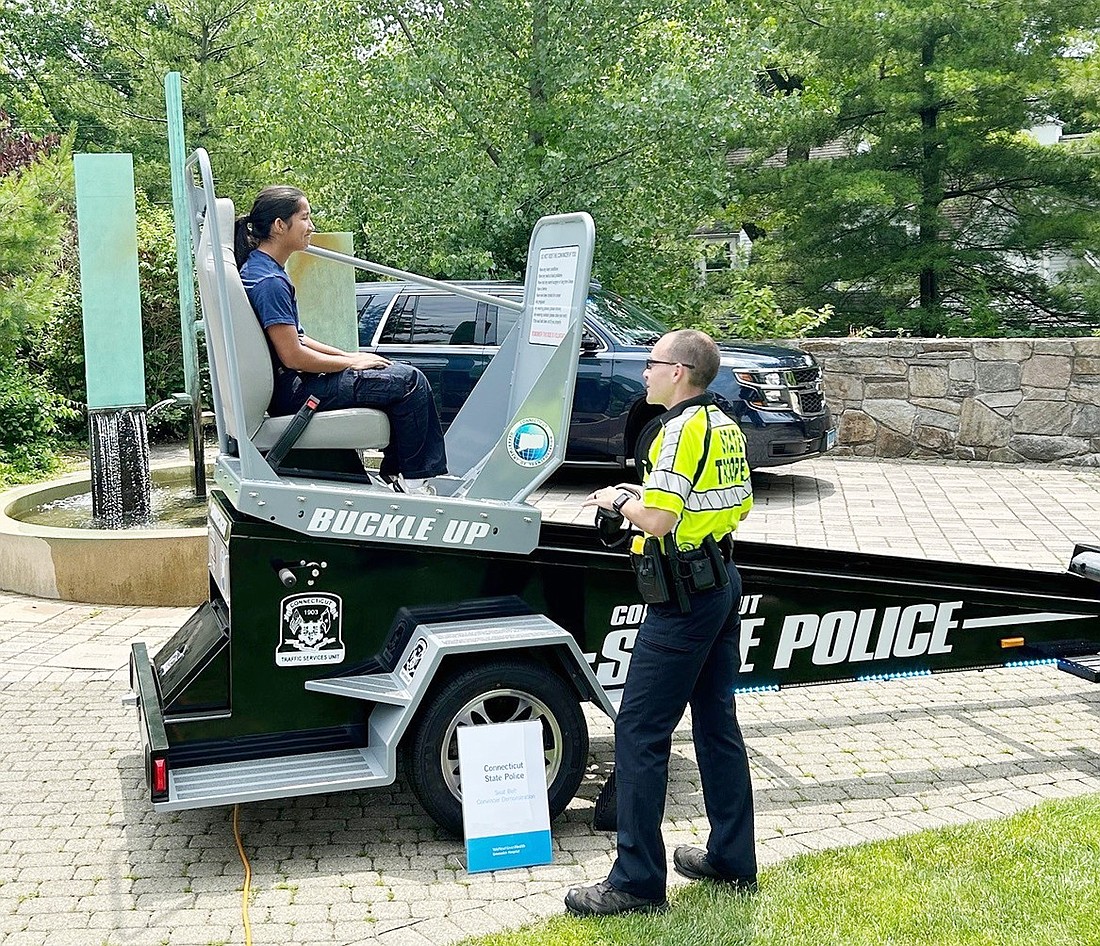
(446, 129)
(929, 206)
(98, 68)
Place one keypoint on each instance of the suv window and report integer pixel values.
(498, 322)
(372, 306)
(628, 324)
(444, 320)
(399, 325)
(430, 320)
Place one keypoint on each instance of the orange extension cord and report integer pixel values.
(247, 875)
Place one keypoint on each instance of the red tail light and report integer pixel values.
(160, 776)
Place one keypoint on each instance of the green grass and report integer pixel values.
(1029, 880)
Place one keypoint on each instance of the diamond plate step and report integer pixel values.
(311, 773)
(376, 687)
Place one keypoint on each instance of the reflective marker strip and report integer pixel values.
(1029, 618)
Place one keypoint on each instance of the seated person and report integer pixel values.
(278, 225)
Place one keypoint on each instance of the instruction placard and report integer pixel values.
(504, 807)
(555, 280)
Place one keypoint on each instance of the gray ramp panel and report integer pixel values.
(310, 773)
(375, 687)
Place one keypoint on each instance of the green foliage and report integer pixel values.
(98, 66)
(34, 197)
(453, 130)
(932, 209)
(743, 309)
(440, 133)
(160, 318)
(1033, 878)
(32, 418)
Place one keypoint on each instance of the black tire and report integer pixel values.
(512, 690)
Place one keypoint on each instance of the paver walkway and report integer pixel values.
(83, 860)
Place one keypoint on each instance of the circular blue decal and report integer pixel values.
(530, 442)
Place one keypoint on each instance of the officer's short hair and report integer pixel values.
(692, 347)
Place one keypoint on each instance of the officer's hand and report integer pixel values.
(602, 498)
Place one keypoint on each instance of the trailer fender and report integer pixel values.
(400, 694)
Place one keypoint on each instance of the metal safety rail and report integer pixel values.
(505, 442)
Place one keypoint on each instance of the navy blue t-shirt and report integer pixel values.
(270, 291)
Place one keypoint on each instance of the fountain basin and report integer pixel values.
(137, 566)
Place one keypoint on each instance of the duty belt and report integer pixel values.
(667, 574)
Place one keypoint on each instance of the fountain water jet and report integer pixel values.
(119, 441)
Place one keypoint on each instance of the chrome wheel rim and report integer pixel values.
(501, 706)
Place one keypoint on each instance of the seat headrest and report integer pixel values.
(226, 219)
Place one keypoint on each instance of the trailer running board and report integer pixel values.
(1086, 666)
(310, 773)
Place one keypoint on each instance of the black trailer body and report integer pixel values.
(264, 677)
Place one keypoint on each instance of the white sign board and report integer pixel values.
(504, 806)
(555, 279)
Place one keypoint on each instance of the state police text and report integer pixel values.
(835, 637)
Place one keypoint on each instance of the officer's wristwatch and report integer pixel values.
(621, 500)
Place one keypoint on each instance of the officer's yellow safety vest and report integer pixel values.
(698, 471)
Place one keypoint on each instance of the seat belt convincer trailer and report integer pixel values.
(350, 628)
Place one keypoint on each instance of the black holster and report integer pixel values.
(666, 573)
(652, 572)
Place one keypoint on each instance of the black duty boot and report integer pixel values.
(691, 862)
(604, 900)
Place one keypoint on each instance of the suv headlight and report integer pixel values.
(768, 389)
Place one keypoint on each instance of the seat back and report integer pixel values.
(254, 371)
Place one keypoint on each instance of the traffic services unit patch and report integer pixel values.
(310, 630)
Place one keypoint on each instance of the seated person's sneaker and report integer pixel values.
(691, 862)
(604, 900)
(412, 487)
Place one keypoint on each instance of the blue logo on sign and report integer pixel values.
(530, 442)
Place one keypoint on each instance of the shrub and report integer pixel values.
(745, 310)
(35, 190)
(32, 418)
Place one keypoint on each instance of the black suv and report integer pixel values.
(776, 393)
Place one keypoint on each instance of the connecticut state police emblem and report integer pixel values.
(310, 631)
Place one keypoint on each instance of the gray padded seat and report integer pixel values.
(359, 428)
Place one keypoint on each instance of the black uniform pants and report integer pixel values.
(682, 659)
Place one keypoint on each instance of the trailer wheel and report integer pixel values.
(502, 691)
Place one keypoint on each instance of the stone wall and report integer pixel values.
(1005, 400)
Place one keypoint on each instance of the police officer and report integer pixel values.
(695, 492)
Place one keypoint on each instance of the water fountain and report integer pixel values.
(94, 537)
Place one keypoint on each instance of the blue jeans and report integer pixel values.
(416, 448)
(680, 659)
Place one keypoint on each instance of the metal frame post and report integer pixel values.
(190, 326)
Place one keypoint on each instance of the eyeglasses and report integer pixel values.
(650, 362)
